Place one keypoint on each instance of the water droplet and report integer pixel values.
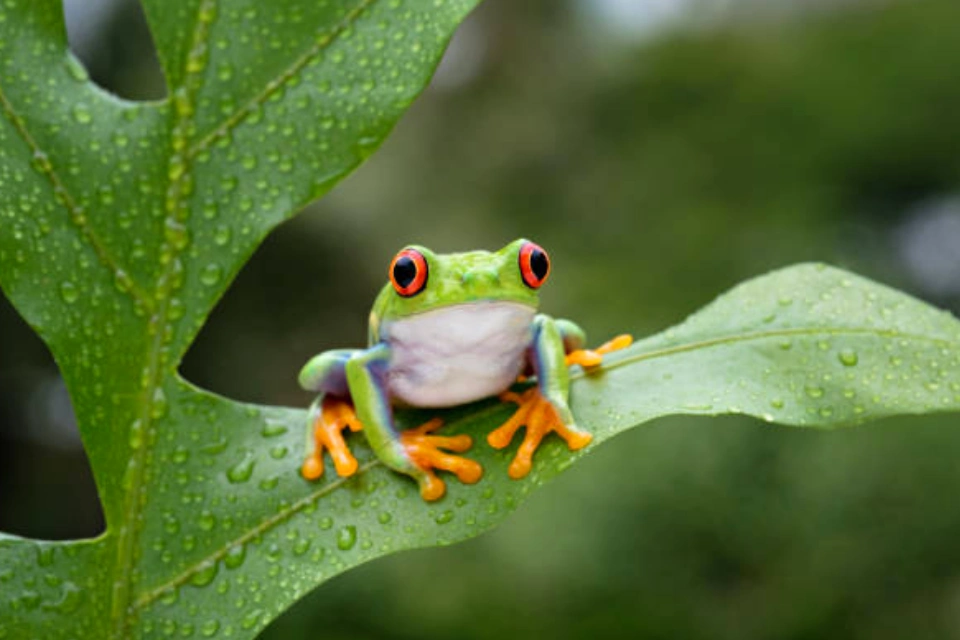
(776, 403)
(70, 600)
(235, 556)
(347, 537)
(158, 407)
(326, 522)
(81, 113)
(211, 274)
(44, 556)
(207, 520)
(444, 517)
(278, 452)
(301, 546)
(135, 437)
(210, 628)
(273, 429)
(222, 235)
(205, 574)
(384, 517)
(170, 524)
(69, 292)
(176, 234)
(241, 471)
(848, 357)
(814, 391)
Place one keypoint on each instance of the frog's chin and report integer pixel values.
(458, 353)
(481, 305)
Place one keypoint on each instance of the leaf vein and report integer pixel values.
(152, 595)
(322, 42)
(759, 335)
(123, 615)
(69, 203)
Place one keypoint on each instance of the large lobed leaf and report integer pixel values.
(122, 224)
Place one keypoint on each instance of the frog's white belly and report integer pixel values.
(457, 354)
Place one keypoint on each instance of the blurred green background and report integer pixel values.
(662, 151)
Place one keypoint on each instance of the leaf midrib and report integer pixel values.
(122, 614)
(773, 333)
(124, 608)
(148, 597)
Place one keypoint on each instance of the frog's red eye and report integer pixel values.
(534, 265)
(408, 272)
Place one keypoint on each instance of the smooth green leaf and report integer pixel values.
(123, 223)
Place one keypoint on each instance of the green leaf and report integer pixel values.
(123, 223)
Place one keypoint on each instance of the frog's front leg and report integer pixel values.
(545, 407)
(329, 414)
(415, 452)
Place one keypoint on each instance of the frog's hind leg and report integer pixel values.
(329, 414)
(415, 452)
(543, 408)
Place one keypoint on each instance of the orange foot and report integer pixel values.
(540, 417)
(424, 450)
(588, 358)
(335, 416)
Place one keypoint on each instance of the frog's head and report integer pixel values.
(421, 280)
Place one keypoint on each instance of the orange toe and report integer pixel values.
(335, 416)
(621, 341)
(540, 417)
(430, 452)
(589, 358)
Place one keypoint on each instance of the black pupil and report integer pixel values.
(404, 271)
(539, 264)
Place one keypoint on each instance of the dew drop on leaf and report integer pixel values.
(241, 471)
(222, 235)
(206, 520)
(44, 556)
(211, 274)
(69, 292)
(235, 556)
(848, 357)
(81, 113)
(272, 429)
(209, 628)
(814, 391)
(205, 574)
(347, 537)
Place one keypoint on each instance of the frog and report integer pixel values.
(444, 331)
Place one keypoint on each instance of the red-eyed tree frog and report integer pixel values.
(449, 329)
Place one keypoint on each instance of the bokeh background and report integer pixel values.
(662, 150)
